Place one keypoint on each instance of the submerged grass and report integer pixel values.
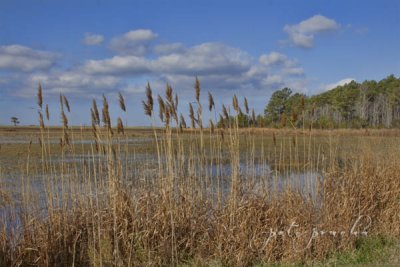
(180, 207)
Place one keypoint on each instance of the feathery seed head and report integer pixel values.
(235, 104)
(47, 112)
(197, 88)
(161, 106)
(66, 103)
(182, 121)
(246, 105)
(211, 103)
(40, 96)
(225, 112)
(96, 117)
(120, 126)
(121, 101)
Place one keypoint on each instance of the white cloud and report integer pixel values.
(72, 83)
(134, 89)
(220, 68)
(134, 42)
(294, 71)
(205, 59)
(93, 39)
(273, 80)
(118, 65)
(302, 34)
(336, 84)
(22, 58)
(165, 49)
(140, 35)
(273, 58)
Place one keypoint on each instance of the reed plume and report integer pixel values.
(105, 111)
(149, 96)
(161, 106)
(169, 94)
(121, 101)
(182, 121)
(149, 104)
(61, 102)
(47, 112)
(246, 106)
(96, 115)
(40, 96)
(225, 112)
(120, 126)
(176, 102)
(66, 103)
(197, 89)
(211, 103)
(235, 104)
(106, 115)
(93, 116)
(171, 106)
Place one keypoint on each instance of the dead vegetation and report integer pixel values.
(177, 210)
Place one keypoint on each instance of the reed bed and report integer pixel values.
(209, 194)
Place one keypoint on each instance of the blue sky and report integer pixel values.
(250, 48)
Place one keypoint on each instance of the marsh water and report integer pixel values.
(28, 182)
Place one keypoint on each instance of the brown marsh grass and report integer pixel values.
(206, 195)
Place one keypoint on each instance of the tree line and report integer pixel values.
(372, 104)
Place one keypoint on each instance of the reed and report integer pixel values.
(224, 194)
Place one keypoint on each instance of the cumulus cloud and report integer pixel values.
(118, 65)
(72, 83)
(134, 42)
(273, 58)
(296, 71)
(273, 80)
(165, 49)
(302, 34)
(22, 58)
(93, 39)
(220, 67)
(205, 59)
(336, 84)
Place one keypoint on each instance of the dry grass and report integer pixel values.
(112, 208)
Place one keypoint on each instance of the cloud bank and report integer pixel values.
(138, 57)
